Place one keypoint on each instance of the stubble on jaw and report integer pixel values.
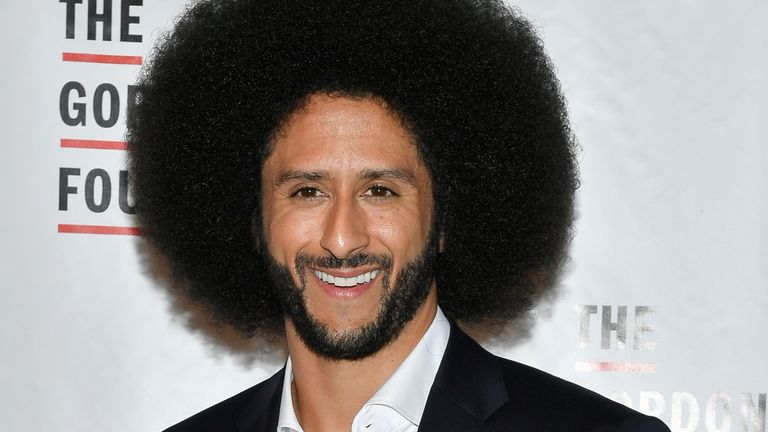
(399, 302)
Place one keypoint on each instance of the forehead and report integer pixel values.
(341, 133)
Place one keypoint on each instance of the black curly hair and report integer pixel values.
(469, 78)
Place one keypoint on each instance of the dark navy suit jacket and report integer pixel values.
(473, 391)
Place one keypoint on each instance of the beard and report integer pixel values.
(398, 305)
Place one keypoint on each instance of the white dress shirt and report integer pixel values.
(399, 403)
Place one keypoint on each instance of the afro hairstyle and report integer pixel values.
(468, 78)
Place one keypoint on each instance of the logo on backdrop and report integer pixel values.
(104, 18)
(89, 111)
(718, 412)
(620, 338)
(607, 335)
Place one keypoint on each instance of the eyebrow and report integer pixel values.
(397, 174)
(368, 174)
(290, 175)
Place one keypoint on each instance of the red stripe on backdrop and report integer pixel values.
(93, 144)
(101, 58)
(614, 367)
(98, 229)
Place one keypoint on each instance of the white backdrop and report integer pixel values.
(663, 307)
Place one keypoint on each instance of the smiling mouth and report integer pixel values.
(344, 282)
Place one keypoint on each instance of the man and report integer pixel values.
(356, 176)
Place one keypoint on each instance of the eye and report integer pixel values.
(379, 191)
(307, 193)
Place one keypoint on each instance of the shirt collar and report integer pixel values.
(287, 421)
(407, 388)
(405, 391)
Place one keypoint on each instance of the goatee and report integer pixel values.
(398, 305)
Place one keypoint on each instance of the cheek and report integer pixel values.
(287, 233)
(383, 228)
(403, 232)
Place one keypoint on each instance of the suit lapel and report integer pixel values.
(468, 388)
(264, 407)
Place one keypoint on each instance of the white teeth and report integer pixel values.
(347, 282)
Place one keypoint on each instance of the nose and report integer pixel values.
(345, 229)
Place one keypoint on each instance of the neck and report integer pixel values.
(327, 394)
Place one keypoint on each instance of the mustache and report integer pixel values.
(305, 260)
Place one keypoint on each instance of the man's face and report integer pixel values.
(347, 207)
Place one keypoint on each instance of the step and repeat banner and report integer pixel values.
(663, 306)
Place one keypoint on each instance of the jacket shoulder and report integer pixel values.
(475, 390)
(252, 409)
(544, 402)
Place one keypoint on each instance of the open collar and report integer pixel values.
(468, 389)
(405, 392)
